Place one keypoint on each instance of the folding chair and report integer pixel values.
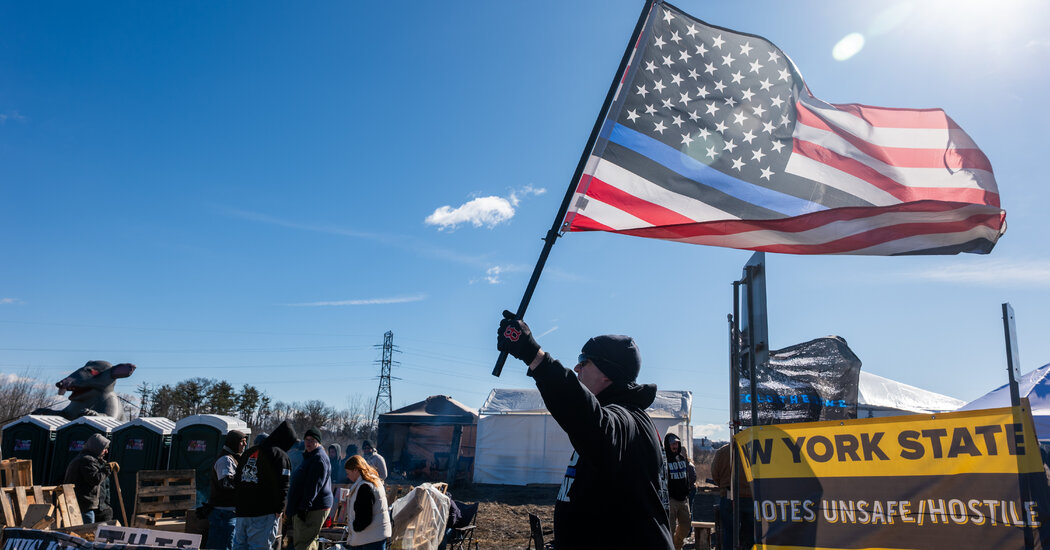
(537, 534)
(462, 535)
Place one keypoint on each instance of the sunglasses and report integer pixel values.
(583, 358)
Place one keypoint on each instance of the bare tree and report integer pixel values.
(20, 394)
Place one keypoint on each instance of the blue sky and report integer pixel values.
(258, 191)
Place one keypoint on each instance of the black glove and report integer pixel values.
(301, 514)
(515, 338)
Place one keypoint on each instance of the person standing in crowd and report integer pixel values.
(368, 515)
(311, 494)
(722, 474)
(87, 471)
(681, 477)
(261, 487)
(295, 454)
(610, 497)
(223, 516)
(334, 459)
(374, 459)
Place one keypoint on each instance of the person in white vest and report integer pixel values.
(368, 517)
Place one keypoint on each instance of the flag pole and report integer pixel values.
(555, 230)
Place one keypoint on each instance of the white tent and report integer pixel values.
(878, 396)
(1035, 386)
(520, 443)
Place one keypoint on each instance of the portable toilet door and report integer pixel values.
(142, 444)
(196, 444)
(32, 438)
(70, 438)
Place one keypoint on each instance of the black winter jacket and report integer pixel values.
(681, 474)
(610, 497)
(263, 473)
(87, 471)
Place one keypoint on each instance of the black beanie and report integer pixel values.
(314, 433)
(233, 438)
(615, 355)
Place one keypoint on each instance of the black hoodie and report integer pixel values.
(87, 471)
(681, 475)
(610, 497)
(263, 474)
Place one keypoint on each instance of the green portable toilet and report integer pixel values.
(142, 444)
(32, 437)
(196, 444)
(70, 438)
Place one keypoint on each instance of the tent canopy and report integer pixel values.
(520, 443)
(1035, 386)
(436, 409)
(878, 394)
(668, 404)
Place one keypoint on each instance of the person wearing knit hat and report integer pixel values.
(617, 474)
(222, 519)
(310, 497)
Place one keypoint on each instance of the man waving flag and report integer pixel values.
(713, 138)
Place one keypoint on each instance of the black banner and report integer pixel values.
(808, 382)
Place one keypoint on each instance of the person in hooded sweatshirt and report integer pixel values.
(614, 488)
(87, 471)
(261, 487)
(222, 520)
(311, 493)
(681, 477)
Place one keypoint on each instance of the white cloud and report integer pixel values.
(492, 275)
(11, 115)
(8, 378)
(482, 211)
(363, 302)
(487, 211)
(996, 273)
(515, 197)
(8, 301)
(548, 331)
(708, 430)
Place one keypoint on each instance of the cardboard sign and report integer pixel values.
(971, 479)
(146, 537)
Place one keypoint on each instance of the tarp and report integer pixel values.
(814, 380)
(1035, 386)
(880, 396)
(520, 443)
(418, 439)
(436, 409)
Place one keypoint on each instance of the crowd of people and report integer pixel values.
(257, 490)
(620, 472)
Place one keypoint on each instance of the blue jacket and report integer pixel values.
(311, 484)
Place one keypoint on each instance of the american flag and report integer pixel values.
(713, 138)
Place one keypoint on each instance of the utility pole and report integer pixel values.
(384, 403)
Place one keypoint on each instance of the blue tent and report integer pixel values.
(1035, 386)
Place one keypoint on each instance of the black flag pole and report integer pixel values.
(555, 230)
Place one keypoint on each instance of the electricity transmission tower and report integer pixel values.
(384, 403)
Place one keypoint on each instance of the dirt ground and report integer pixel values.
(503, 513)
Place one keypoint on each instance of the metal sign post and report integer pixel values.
(1013, 361)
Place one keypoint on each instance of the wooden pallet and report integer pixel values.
(163, 492)
(16, 503)
(15, 472)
